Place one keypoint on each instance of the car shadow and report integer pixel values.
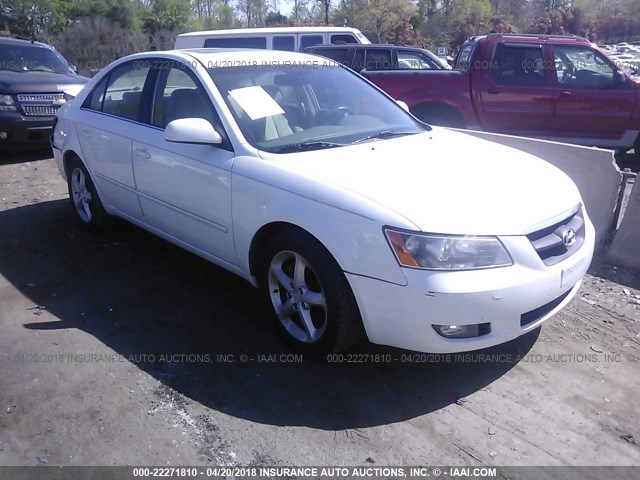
(188, 324)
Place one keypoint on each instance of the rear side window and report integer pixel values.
(343, 38)
(236, 42)
(518, 64)
(123, 95)
(286, 43)
(337, 54)
(378, 59)
(310, 40)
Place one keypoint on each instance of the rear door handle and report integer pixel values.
(493, 90)
(86, 132)
(141, 153)
(565, 93)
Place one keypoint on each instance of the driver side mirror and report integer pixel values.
(619, 77)
(192, 130)
(404, 105)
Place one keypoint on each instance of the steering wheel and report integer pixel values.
(568, 74)
(337, 114)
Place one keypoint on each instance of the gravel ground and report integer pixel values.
(120, 349)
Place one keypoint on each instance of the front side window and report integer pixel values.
(582, 67)
(123, 95)
(409, 60)
(338, 54)
(514, 64)
(281, 108)
(179, 96)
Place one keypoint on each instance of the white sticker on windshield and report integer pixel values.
(256, 102)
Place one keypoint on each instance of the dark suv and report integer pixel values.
(35, 80)
(380, 57)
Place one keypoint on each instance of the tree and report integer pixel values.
(378, 19)
(325, 5)
(276, 19)
(169, 15)
(32, 18)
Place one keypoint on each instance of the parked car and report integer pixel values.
(35, 80)
(381, 57)
(552, 87)
(292, 39)
(302, 178)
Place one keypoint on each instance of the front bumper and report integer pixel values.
(25, 131)
(514, 300)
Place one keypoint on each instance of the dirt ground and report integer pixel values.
(117, 349)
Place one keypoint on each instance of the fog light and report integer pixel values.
(4, 135)
(463, 331)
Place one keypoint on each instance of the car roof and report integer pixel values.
(234, 57)
(23, 41)
(530, 38)
(364, 45)
(257, 31)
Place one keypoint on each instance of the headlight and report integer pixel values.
(6, 100)
(7, 104)
(442, 252)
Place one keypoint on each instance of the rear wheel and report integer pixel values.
(309, 294)
(83, 195)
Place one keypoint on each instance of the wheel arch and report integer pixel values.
(267, 232)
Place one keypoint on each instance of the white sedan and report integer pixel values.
(351, 216)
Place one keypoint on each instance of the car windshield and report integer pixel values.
(284, 108)
(32, 58)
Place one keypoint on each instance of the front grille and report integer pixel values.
(40, 104)
(549, 244)
(40, 110)
(538, 313)
(40, 97)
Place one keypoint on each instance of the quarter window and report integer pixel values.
(379, 59)
(94, 101)
(123, 96)
(342, 39)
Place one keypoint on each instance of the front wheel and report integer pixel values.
(84, 198)
(310, 296)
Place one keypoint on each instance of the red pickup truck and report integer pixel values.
(553, 87)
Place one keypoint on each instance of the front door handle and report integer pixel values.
(141, 153)
(565, 93)
(493, 90)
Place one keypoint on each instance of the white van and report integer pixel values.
(294, 39)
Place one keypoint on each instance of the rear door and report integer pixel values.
(590, 103)
(516, 90)
(109, 118)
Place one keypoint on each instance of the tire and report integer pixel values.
(84, 199)
(309, 295)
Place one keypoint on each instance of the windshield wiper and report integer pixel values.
(383, 134)
(301, 147)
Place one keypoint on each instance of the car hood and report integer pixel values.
(37, 82)
(445, 182)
